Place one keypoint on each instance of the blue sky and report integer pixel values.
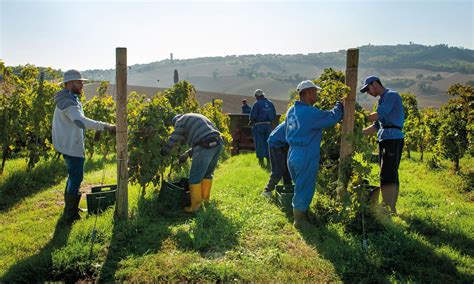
(84, 34)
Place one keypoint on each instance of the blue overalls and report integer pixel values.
(246, 109)
(262, 114)
(304, 124)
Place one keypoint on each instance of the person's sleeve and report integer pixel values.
(74, 114)
(273, 113)
(327, 118)
(175, 138)
(254, 112)
(386, 106)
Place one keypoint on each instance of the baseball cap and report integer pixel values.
(369, 80)
(307, 84)
(175, 118)
(258, 93)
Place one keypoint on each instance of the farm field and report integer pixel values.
(240, 236)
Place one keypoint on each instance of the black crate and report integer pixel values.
(100, 198)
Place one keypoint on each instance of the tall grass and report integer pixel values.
(242, 236)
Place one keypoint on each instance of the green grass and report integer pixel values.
(239, 236)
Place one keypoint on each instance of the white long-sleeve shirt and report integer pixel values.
(69, 123)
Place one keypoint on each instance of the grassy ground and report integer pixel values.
(239, 236)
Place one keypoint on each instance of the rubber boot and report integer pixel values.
(206, 189)
(71, 209)
(300, 219)
(195, 191)
(389, 197)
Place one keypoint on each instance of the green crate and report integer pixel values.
(174, 195)
(100, 198)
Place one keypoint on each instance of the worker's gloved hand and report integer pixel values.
(340, 104)
(183, 158)
(110, 128)
(97, 136)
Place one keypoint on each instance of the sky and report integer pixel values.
(84, 34)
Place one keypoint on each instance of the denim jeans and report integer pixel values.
(204, 163)
(75, 171)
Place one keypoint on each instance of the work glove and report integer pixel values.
(184, 157)
(110, 128)
(340, 104)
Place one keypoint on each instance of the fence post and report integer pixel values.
(345, 151)
(121, 209)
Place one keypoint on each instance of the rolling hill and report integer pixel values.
(231, 103)
(426, 71)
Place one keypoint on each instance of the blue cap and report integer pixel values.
(369, 80)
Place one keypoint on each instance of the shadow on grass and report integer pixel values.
(145, 233)
(438, 236)
(142, 234)
(38, 268)
(212, 234)
(23, 183)
(391, 255)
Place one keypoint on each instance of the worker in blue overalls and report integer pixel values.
(304, 124)
(246, 108)
(261, 117)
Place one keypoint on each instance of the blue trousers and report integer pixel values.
(260, 136)
(75, 171)
(303, 170)
(204, 163)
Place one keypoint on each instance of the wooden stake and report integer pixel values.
(345, 152)
(121, 209)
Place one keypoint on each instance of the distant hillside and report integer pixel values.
(426, 71)
(231, 103)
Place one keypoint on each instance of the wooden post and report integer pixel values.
(352, 63)
(121, 209)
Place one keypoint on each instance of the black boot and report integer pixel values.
(71, 208)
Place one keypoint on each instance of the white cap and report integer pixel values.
(73, 75)
(258, 93)
(306, 85)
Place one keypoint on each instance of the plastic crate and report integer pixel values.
(100, 198)
(174, 195)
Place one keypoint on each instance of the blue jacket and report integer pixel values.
(304, 124)
(277, 138)
(263, 110)
(390, 112)
(246, 109)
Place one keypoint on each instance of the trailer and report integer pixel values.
(242, 138)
